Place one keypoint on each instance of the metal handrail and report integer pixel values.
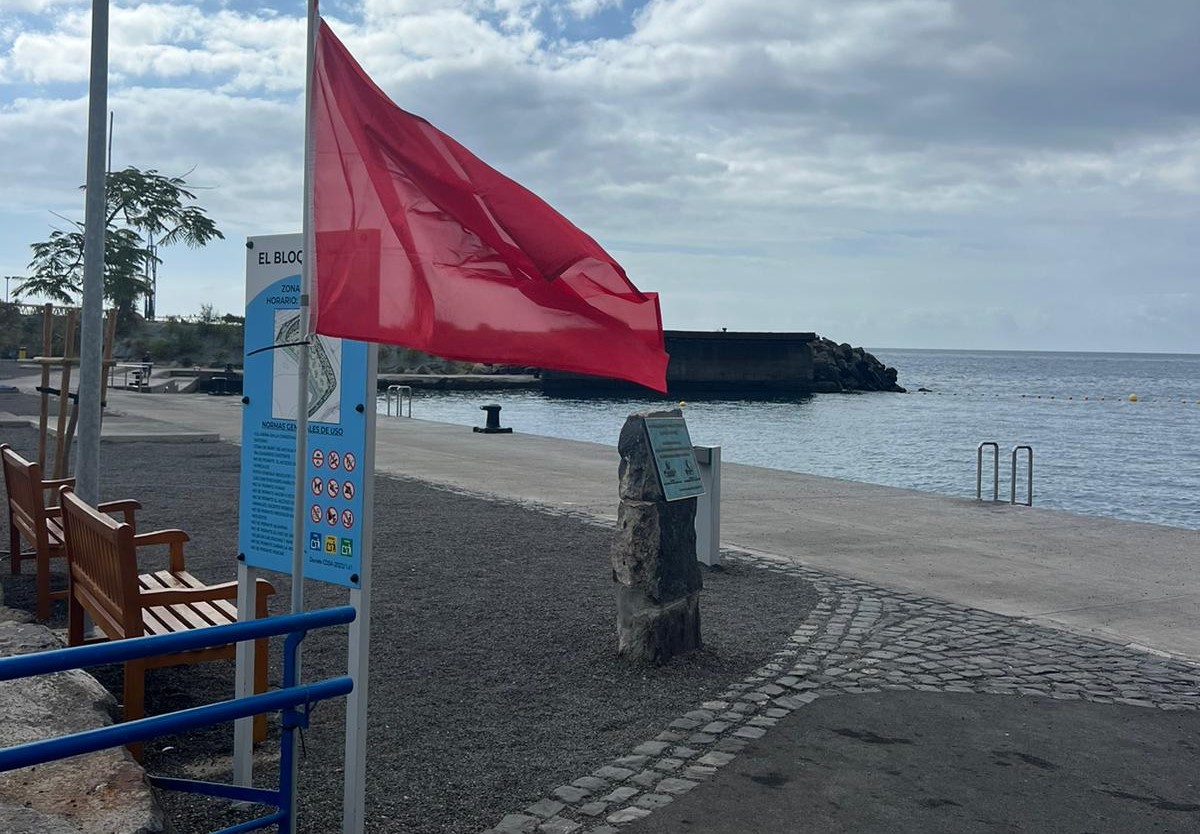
(141, 729)
(995, 470)
(135, 648)
(398, 392)
(1029, 477)
(288, 699)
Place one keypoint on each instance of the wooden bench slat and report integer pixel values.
(150, 582)
(227, 608)
(196, 615)
(163, 580)
(216, 612)
(161, 619)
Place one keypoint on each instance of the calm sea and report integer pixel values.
(1095, 451)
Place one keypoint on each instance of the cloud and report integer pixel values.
(886, 167)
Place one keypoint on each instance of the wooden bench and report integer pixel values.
(105, 583)
(34, 517)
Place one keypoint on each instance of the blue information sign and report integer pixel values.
(337, 414)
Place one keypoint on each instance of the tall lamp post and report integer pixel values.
(8, 278)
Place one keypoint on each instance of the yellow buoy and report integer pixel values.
(682, 404)
(1133, 398)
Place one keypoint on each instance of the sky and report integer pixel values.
(1020, 175)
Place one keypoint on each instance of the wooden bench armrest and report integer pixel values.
(173, 538)
(262, 590)
(125, 506)
(55, 483)
(174, 596)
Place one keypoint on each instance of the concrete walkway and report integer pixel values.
(1133, 583)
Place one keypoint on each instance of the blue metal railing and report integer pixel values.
(288, 699)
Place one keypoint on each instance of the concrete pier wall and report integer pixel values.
(736, 362)
(781, 361)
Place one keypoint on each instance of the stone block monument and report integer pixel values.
(654, 564)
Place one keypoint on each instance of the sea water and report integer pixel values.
(1096, 451)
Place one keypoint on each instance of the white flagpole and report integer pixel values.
(306, 335)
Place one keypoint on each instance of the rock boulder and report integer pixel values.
(841, 367)
(101, 793)
(654, 564)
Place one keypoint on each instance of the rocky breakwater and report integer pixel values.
(840, 367)
(100, 793)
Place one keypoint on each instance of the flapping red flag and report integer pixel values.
(421, 244)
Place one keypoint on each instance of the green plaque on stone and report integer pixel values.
(674, 457)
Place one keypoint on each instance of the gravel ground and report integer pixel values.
(493, 668)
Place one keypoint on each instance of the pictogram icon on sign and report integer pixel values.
(318, 458)
(331, 516)
(347, 547)
(314, 541)
(331, 544)
(332, 488)
(317, 485)
(334, 460)
(314, 512)
(349, 461)
(348, 490)
(347, 519)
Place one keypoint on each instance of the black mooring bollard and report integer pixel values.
(493, 421)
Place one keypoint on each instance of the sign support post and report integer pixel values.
(353, 812)
(243, 685)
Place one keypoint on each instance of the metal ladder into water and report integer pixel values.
(398, 393)
(1028, 502)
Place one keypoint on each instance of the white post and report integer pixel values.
(243, 683)
(354, 801)
(708, 506)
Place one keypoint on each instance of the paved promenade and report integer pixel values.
(967, 667)
(1131, 583)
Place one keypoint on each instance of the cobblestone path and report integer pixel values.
(859, 638)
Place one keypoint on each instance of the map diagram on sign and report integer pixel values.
(324, 364)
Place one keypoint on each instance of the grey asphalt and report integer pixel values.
(935, 762)
(1133, 583)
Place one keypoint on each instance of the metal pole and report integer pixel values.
(358, 649)
(243, 682)
(91, 336)
(306, 335)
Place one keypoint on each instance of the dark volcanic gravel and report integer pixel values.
(493, 669)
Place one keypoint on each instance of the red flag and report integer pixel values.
(421, 244)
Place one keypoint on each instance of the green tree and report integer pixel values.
(145, 210)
